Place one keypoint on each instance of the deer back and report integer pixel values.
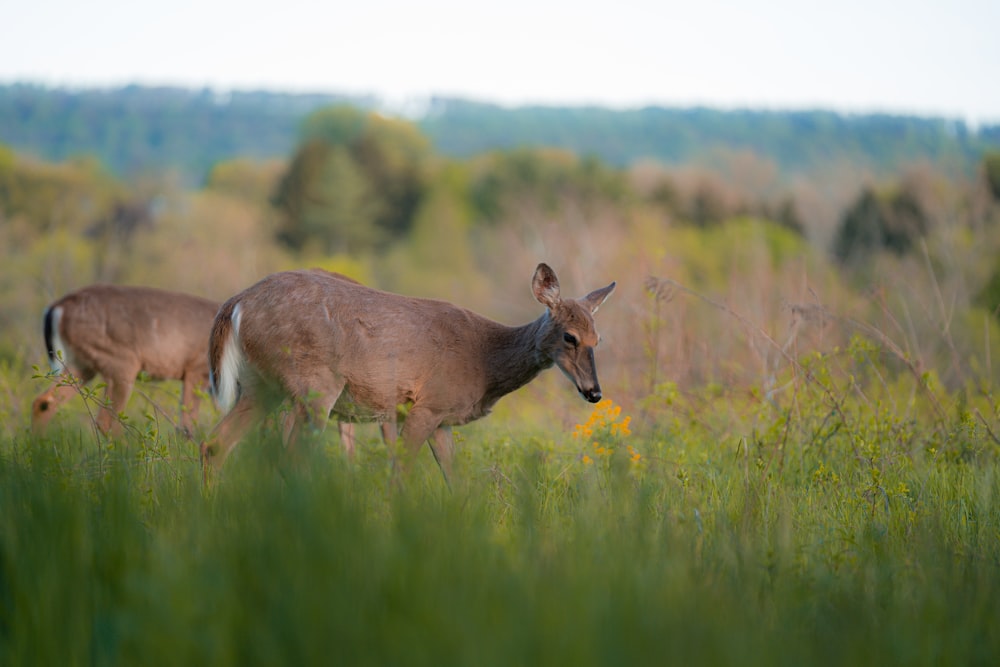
(306, 330)
(104, 326)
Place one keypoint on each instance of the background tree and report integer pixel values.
(508, 182)
(892, 220)
(354, 183)
(991, 171)
(252, 180)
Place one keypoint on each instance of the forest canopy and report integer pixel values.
(138, 129)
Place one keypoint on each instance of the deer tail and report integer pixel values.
(54, 345)
(225, 356)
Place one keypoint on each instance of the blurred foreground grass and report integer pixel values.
(595, 546)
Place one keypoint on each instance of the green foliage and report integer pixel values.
(989, 296)
(353, 184)
(507, 182)
(324, 199)
(797, 141)
(893, 221)
(74, 195)
(740, 246)
(438, 258)
(252, 180)
(139, 129)
(830, 533)
(793, 471)
(991, 170)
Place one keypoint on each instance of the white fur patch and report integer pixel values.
(227, 384)
(59, 360)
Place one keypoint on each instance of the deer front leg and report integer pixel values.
(443, 448)
(116, 393)
(389, 433)
(419, 425)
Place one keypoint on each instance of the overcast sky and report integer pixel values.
(899, 56)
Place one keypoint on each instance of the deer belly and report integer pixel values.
(349, 407)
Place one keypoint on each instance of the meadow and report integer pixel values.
(857, 521)
(797, 461)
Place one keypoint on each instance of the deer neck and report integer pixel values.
(516, 358)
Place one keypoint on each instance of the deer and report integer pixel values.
(117, 332)
(335, 347)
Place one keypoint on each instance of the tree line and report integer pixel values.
(357, 181)
(138, 129)
(369, 195)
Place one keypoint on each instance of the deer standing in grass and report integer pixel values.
(335, 346)
(118, 331)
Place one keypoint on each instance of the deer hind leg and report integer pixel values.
(312, 408)
(348, 439)
(346, 430)
(190, 401)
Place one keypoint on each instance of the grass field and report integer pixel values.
(838, 526)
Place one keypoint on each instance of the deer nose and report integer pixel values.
(592, 395)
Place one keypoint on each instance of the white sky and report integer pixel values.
(898, 56)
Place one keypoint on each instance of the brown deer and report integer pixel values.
(117, 332)
(335, 346)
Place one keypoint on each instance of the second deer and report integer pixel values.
(118, 331)
(335, 346)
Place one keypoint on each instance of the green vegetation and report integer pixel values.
(849, 520)
(138, 129)
(799, 466)
(991, 167)
(894, 221)
(354, 182)
(797, 141)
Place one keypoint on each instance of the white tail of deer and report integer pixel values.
(335, 346)
(117, 332)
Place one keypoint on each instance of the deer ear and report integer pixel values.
(545, 286)
(597, 297)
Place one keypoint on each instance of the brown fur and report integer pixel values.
(334, 346)
(116, 332)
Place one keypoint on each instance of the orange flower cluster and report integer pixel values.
(605, 415)
(605, 427)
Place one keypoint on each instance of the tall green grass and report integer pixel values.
(613, 543)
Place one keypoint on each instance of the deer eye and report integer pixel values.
(571, 339)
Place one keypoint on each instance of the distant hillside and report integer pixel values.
(136, 129)
(794, 140)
